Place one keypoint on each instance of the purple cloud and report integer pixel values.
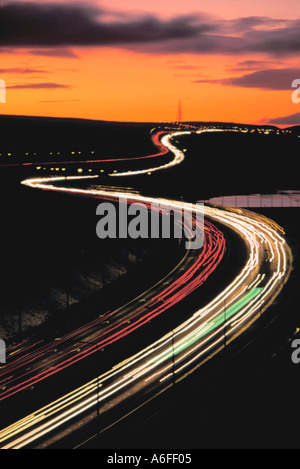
(54, 101)
(254, 65)
(55, 24)
(56, 52)
(38, 86)
(22, 70)
(293, 119)
(47, 26)
(276, 79)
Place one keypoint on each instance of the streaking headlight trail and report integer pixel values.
(178, 353)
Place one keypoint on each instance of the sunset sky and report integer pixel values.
(226, 60)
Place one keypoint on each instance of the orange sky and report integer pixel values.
(143, 81)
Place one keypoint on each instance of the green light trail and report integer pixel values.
(210, 326)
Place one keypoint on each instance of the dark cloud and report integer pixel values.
(55, 24)
(44, 26)
(38, 86)
(187, 67)
(249, 23)
(281, 41)
(271, 79)
(293, 119)
(253, 64)
(21, 70)
(200, 44)
(56, 52)
(60, 101)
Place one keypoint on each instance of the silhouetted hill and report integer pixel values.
(41, 135)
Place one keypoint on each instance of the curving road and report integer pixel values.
(182, 350)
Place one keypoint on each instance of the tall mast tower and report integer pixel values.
(179, 112)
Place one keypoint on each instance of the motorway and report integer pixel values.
(173, 356)
(32, 362)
